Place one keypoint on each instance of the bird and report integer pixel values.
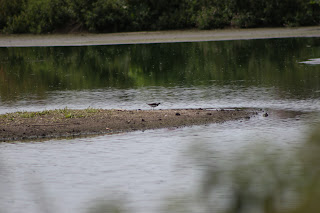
(153, 105)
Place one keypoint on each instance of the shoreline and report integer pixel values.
(61, 123)
(87, 39)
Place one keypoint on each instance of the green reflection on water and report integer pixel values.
(266, 63)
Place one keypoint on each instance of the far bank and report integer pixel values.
(85, 39)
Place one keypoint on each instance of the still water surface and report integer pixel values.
(144, 167)
(251, 73)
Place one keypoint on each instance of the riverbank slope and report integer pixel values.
(82, 39)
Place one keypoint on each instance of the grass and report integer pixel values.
(91, 110)
(33, 114)
(65, 112)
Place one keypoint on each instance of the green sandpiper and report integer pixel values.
(153, 105)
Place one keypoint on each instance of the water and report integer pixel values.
(143, 168)
(263, 73)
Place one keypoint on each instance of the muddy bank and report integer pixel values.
(82, 39)
(70, 123)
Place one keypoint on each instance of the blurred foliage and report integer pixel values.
(115, 205)
(259, 178)
(271, 63)
(42, 16)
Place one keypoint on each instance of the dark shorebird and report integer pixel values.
(153, 105)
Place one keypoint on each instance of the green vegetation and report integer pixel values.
(261, 177)
(42, 16)
(24, 114)
(33, 114)
(58, 113)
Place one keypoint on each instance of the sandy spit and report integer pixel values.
(74, 123)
